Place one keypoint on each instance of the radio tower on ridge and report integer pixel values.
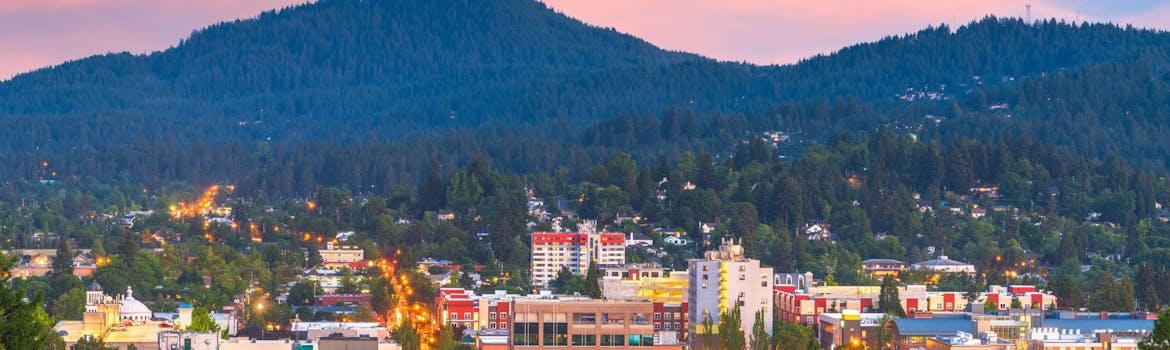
(1028, 14)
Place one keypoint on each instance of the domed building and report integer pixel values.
(132, 309)
(129, 309)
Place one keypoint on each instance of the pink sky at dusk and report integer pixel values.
(40, 33)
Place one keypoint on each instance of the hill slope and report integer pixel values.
(421, 74)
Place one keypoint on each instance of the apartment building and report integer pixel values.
(722, 280)
(552, 251)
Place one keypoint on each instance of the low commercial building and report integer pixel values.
(339, 256)
(945, 265)
(849, 329)
(557, 322)
(312, 331)
(882, 268)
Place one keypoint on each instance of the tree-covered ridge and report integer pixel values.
(381, 70)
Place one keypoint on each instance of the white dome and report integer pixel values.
(132, 308)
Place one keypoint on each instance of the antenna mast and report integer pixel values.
(1028, 14)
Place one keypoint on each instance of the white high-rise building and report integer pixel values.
(722, 279)
(553, 250)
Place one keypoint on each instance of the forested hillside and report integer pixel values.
(356, 72)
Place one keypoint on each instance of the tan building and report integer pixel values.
(347, 343)
(582, 323)
(338, 256)
(175, 340)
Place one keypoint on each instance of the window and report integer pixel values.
(491, 315)
(555, 334)
(613, 340)
(677, 327)
(584, 318)
(667, 316)
(704, 285)
(742, 268)
(454, 316)
(613, 318)
(742, 277)
(503, 315)
(704, 268)
(526, 334)
(641, 340)
(584, 340)
(503, 325)
(641, 318)
(466, 315)
(492, 325)
(657, 326)
(657, 316)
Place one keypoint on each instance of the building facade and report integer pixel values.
(552, 251)
(722, 280)
(573, 322)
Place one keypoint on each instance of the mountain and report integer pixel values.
(409, 64)
(392, 84)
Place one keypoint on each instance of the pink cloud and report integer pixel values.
(778, 32)
(39, 33)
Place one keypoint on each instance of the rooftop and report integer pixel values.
(1088, 325)
(934, 326)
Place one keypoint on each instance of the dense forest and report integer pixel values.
(375, 74)
(885, 195)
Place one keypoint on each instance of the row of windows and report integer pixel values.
(669, 316)
(467, 316)
(669, 326)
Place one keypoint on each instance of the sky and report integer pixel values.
(40, 33)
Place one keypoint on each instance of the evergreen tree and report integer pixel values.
(63, 263)
(507, 225)
(201, 321)
(25, 324)
(349, 283)
(70, 305)
(760, 339)
(1066, 292)
(889, 301)
(1147, 282)
(98, 250)
(303, 293)
(407, 336)
(788, 336)
(592, 281)
(731, 335)
(1159, 337)
(432, 195)
(128, 247)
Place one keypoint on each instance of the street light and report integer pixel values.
(260, 309)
